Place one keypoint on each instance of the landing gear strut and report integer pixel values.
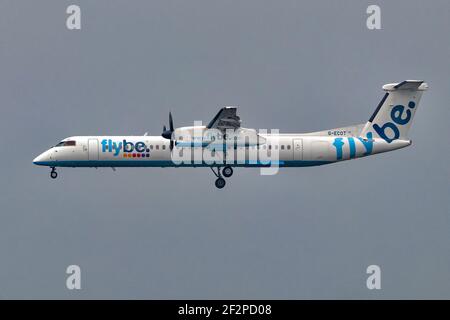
(53, 173)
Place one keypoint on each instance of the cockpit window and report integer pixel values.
(68, 143)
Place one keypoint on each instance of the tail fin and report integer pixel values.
(395, 112)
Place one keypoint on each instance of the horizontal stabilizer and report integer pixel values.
(406, 85)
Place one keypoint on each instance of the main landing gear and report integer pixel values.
(53, 173)
(220, 183)
(226, 171)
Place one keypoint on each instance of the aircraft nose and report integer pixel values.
(40, 159)
(37, 159)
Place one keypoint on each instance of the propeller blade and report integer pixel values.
(170, 122)
(167, 134)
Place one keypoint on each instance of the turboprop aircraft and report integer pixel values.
(224, 144)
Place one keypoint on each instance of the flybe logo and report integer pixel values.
(130, 149)
(398, 118)
(339, 144)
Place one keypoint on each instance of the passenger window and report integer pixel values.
(282, 147)
(157, 147)
(288, 147)
(164, 147)
(151, 147)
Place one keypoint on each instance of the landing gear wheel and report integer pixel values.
(227, 171)
(53, 174)
(220, 183)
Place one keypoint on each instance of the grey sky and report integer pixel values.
(169, 233)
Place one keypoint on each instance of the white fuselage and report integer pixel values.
(291, 150)
(224, 143)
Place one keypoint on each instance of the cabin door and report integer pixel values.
(93, 149)
(297, 146)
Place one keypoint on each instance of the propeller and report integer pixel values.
(167, 134)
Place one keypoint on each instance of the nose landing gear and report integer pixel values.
(53, 173)
(226, 171)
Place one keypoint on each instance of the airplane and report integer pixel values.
(229, 145)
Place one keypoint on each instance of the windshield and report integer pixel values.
(68, 143)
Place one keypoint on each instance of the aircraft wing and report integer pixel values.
(225, 119)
